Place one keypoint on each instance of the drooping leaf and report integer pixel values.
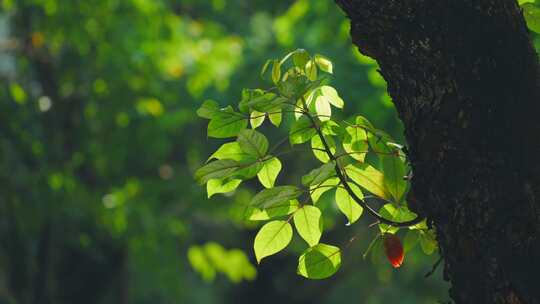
(308, 223)
(319, 262)
(269, 172)
(324, 63)
(347, 205)
(394, 171)
(319, 175)
(318, 190)
(428, 241)
(216, 169)
(411, 239)
(368, 178)
(232, 151)
(272, 238)
(253, 142)
(281, 209)
(256, 119)
(214, 186)
(265, 67)
(274, 196)
(318, 148)
(355, 142)
(276, 71)
(311, 70)
(226, 123)
(301, 131)
(300, 58)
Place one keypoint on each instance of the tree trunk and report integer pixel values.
(465, 80)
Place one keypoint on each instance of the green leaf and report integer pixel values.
(317, 146)
(248, 168)
(226, 123)
(324, 63)
(293, 86)
(331, 127)
(272, 238)
(347, 205)
(368, 178)
(265, 67)
(319, 262)
(274, 196)
(256, 118)
(281, 209)
(301, 131)
(531, 12)
(318, 190)
(230, 151)
(355, 143)
(276, 71)
(300, 58)
(411, 239)
(332, 96)
(253, 142)
(208, 109)
(309, 224)
(269, 172)
(394, 171)
(265, 102)
(319, 175)
(396, 214)
(311, 70)
(214, 186)
(362, 122)
(216, 169)
(322, 108)
(428, 241)
(275, 117)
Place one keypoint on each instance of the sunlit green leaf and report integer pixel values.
(272, 238)
(274, 196)
(232, 151)
(332, 96)
(253, 142)
(368, 178)
(531, 12)
(319, 262)
(318, 190)
(324, 63)
(300, 58)
(355, 143)
(276, 71)
(216, 169)
(322, 108)
(319, 150)
(265, 67)
(226, 123)
(311, 70)
(208, 109)
(308, 223)
(347, 205)
(256, 118)
(396, 214)
(319, 175)
(394, 171)
(275, 117)
(269, 172)
(301, 131)
(281, 209)
(214, 186)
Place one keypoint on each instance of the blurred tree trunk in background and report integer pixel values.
(465, 80)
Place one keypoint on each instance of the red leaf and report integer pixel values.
(393, 249)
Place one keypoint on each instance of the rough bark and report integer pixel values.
(465, 80)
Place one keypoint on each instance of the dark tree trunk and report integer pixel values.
(465, 80)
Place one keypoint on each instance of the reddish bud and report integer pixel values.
(393, 249)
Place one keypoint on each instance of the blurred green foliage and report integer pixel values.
(99, 140)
